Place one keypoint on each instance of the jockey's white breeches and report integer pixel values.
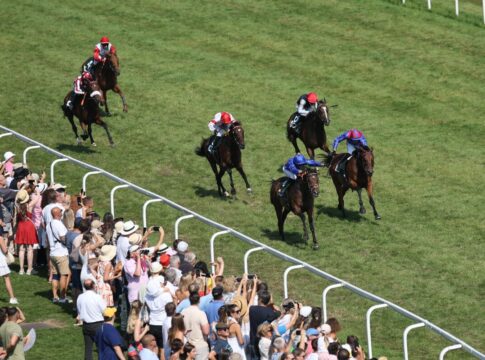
(289, 174)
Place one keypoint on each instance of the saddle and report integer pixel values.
(342, 164)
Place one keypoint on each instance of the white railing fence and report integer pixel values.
(258, 246)
(457, 7)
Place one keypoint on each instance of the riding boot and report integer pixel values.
(215, 145)
(284, 186)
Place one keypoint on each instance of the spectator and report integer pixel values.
(213, 307)
(264, 312)
(299, 354)
(136, 272)
(108, 340)
(343, 354)
(229, 286)
(175, 265)
(11, 335)
(221, 344)
(108, 229)
(106, 273)
(186, 286)
(86, 208)
(331, 353)
(56, 233)
(191, 353)
(90, 242)
(4, 269)
(236, 338)
(197, 326)
(187, 265)
(311, 334)
(176, 349)
(90, 309)
(265, 334)
(167, 324)
(137, 328)
(9, 159)
(123, 242)
(278, 348)
(150, 348)
(26, 234)
(177, 329)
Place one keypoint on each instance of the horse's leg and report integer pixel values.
(243, 175)
(233, 189)
(312, 228)
(371, 200)
(90, 134)
(222, 171)
(84, 128)
(311, 152)
(74, 128)
(105, 97)
(361, 203)
(281, 222)
(105, 127)
(117, 90)
(214, 169)
(305, 230)
(292, 137)
(341, 194)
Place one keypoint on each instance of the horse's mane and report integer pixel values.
(237, 123)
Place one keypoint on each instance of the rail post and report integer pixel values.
(112, 197)
(213, 238)
(369, 336)
(246, 257)
(285, 277)
(5, 134)
(85, 178)
(27, 149)
(449, 348)
(405, 337)
(177, 223)
(144, 212)
(53, 164)
(324, 298)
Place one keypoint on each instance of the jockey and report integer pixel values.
(219, 126)
(293, 168)
(101, 49)
(305, 104)
(354, 137)
(79, 87)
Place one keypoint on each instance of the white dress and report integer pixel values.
(236, 348)
(4, 269)
(85, 273)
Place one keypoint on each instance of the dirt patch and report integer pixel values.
(47, 324)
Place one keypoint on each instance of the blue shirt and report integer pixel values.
(293, 168)
(204, 302)
(212, 310)
(184, 304)
(107, 337)
(348, 135)
(147, 354)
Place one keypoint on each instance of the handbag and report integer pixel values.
(10, 258)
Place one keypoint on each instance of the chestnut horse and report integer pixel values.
(86, 109)
(312, 130)
(106, 74)
(358, 176)
(299, 199)
(228, 156)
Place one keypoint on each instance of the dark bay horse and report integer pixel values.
(299, 199)
(228, 157)
(106, 74)
(358, 176)
(86, 109)
(312, 130)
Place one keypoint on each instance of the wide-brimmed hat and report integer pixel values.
(182, 246)
(156, 267)
(22, 197)
(129, 227)
(8, 155)
(119, 226)
(96, 224)
(241, 303)
(135, 239)
(108, 252)
(59, 187)
(163, 248)
(42, 187)
(305, 311)
(133, 248)
(154, 288)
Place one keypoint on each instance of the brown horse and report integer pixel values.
(228, 156)
(312, 130)
(299, 199)
(358, 176)
(106, 74)
(86, 109)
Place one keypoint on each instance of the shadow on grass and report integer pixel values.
(202, 192)
(291, 238)
(80, 149)
(334, 212)
(47, 294)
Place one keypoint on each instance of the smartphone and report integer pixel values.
(156, 228)
(298, 332)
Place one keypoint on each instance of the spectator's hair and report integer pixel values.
(264, 297)
(230, 308)
(219, 280)
(3, 315)
(170, 275)
(333, 348)
(262, 286)
(235, 356)
(135, 310)
(190, 257)
(176, 243)
(84, 225)
(175, 345)
(223, 355)
(48, 197)
(170, 308)
(223, 314)
(177, 325)
(174, 260)
(87, 238)
(194, 288)
(201, 268)
(343, 354)
(194, 298)
(334, 325)
(284, 356)
(86, 200)
(353, 341)
(185, 282)
(263, 329)
(89, 284)
(147, 339)
(229, 284)
(315, 345)
(299, 352)
(188, 347)
(279, 344)
(11, 311)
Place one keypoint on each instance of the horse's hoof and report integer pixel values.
(108, 114)
(315, 246)
(78, 141)
(226, 194)
(378, 217)
(249, 190)
(84, 137)
(93, 144)
(233, 191)
(362, 211)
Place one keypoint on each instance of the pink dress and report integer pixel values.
(104, 288)
(26, 233)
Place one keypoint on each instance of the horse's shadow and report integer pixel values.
(291, 238)
(334, 212)
(76, 148)
(203, 192)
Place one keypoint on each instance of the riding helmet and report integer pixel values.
(354, 134)
(225, 118)
(104, 40)
(299, 160)
(87, 76)
(312, 98)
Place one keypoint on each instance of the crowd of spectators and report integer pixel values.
(136, 301)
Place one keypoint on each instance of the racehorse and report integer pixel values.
(86, 109)
(312, 129)
(358, 175)
(228, 156)
(299, 199)
(106, 74)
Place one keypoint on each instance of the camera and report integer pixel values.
(156, 228)
(145, 251)
(250, 277)
(298, 332)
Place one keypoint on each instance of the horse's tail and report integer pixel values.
(201, 150)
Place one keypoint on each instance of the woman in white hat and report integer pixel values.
(106, 273)
(26, 234)
(9, 159)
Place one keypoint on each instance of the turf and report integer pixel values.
(410, 79)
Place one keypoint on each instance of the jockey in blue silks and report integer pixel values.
(294, 167)
(355, 139)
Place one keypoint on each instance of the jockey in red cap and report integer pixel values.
(354, 137)
(304, 105)
(101, 49)
(219, 125)
(79, 87)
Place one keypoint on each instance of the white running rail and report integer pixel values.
(227, 230)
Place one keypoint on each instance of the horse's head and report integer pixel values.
(114, 62)
(323, 112)
(365, 158)
(237, 132)
(95, 92)
(311, 177)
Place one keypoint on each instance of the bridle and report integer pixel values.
(233, 133)
(306, 177)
